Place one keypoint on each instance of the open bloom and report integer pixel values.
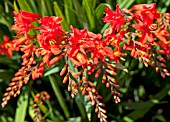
(84, 46)
(6, 47)
(23, 22)
(115, 18)
(77, 43)
(50, 38)
(144, 15)
(50, 33)
(162, 34)
(51, 27)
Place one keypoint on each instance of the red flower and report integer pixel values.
(76, 45)
(83, 43)
(115, 18)
(6, 47)
(50, 34)
(145, 12)
(38, 71)
(163, 42)
(49, 38)
(51, 27)
(23, 22)
(144, 15)
(77, 38)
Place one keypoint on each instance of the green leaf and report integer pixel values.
(4, 30)
(99, 11)
(90, 13)
(46, 110)
(22, 104)
(82, 19)
(52, 71)
(110, 2)
(81, 106)
(163, 6)
(42, 7)
(59, 96)
(141, 91)
(23, 4)
(33, 6)
(79, 97)
(104, 28)
(120, 66)
(74, 119)
(56, 120)
(159, 118)
(49, 8)
(43, 108)
(58, 12)
(94, 3)
(162, 93)
(142, 108)
(126, 4)
(69, 14)
(16, 7)
(5, 118)
(155, 101)
(119, 2)
(6, 74)
(8, 62)
(135, 105)
(127, 119)
(31, 109)
(50, 114)
(139, 113)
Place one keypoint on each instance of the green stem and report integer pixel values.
(59, 96)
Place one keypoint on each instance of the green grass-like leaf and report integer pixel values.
(16, 7)
(58, 12)
(23, 4)
(90, 13)
(22, 104)
(69, 14)
(59, 96)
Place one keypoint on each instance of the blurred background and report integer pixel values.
(145, 95)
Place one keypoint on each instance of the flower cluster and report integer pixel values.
(6, 47)
(150, 40)
(39, 99)
(141, 30)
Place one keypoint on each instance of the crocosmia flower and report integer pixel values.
(50, 33)
(144, 15)
(6, 47)
(115, 18)
(23, 22)
(51, 27)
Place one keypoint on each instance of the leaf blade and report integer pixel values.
(22, 104)
(58, 12)
(59, 96)
(23, 4)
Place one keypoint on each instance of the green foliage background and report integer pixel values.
(145, 94)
